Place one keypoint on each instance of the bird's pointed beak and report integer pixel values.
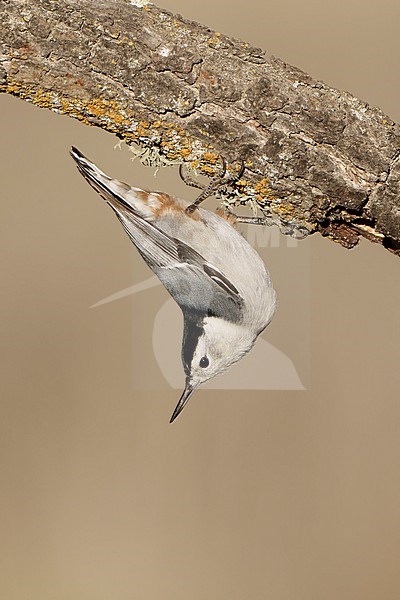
(188, 391)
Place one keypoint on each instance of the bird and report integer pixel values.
(216, 277)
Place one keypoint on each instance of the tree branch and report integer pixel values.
(316, 159)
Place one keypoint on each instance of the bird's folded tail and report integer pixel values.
(118, 194)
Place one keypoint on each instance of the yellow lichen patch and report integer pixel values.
(235, 168)
(107, 112)
(143, 129)
(242, 183)
(172, 154)
(206, 170)
(185, 152)
(284, 208)
(262, 185)
(263, 191)
(210, 157)
(214, 41)
(130, 138)
(44, 99)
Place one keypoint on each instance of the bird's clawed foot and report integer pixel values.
(215, 183)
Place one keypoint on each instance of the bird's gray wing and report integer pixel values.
(194, 283)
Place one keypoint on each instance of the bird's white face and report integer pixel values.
(218, 344)
(222, 344)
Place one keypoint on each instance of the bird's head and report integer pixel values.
(209, 347)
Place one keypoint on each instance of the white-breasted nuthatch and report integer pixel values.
(219, 281)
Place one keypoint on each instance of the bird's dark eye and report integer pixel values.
(204, 362)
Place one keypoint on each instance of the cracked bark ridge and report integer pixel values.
(317, 159)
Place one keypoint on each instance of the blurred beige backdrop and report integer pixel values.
(277, 495)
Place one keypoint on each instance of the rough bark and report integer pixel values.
(317, 159)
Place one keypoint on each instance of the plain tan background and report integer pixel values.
(271, 495)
